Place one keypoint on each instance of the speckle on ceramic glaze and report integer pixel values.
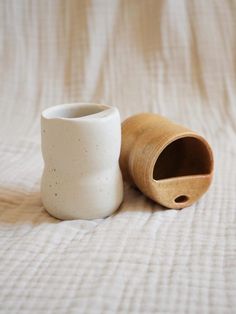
(55, 194)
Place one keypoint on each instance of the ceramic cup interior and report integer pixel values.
(73, 111)
(185, 156)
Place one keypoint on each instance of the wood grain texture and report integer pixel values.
(168, 162)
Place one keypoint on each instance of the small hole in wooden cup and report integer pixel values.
(181, 199)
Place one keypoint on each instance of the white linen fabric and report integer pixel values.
(176, 58)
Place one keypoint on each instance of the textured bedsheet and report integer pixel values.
(176, 58)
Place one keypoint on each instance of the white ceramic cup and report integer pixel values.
(81, 147)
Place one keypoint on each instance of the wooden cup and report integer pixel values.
(168, 162)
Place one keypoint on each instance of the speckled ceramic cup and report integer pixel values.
(81, 147)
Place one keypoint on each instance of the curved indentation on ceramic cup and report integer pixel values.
(81, 146)
(168, 162)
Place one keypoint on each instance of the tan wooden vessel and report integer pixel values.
(167, 162)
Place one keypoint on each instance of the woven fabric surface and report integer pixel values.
(176, 58)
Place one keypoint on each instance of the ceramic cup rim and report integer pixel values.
(98, 110)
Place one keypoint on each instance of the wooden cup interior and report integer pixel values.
(185, 156)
